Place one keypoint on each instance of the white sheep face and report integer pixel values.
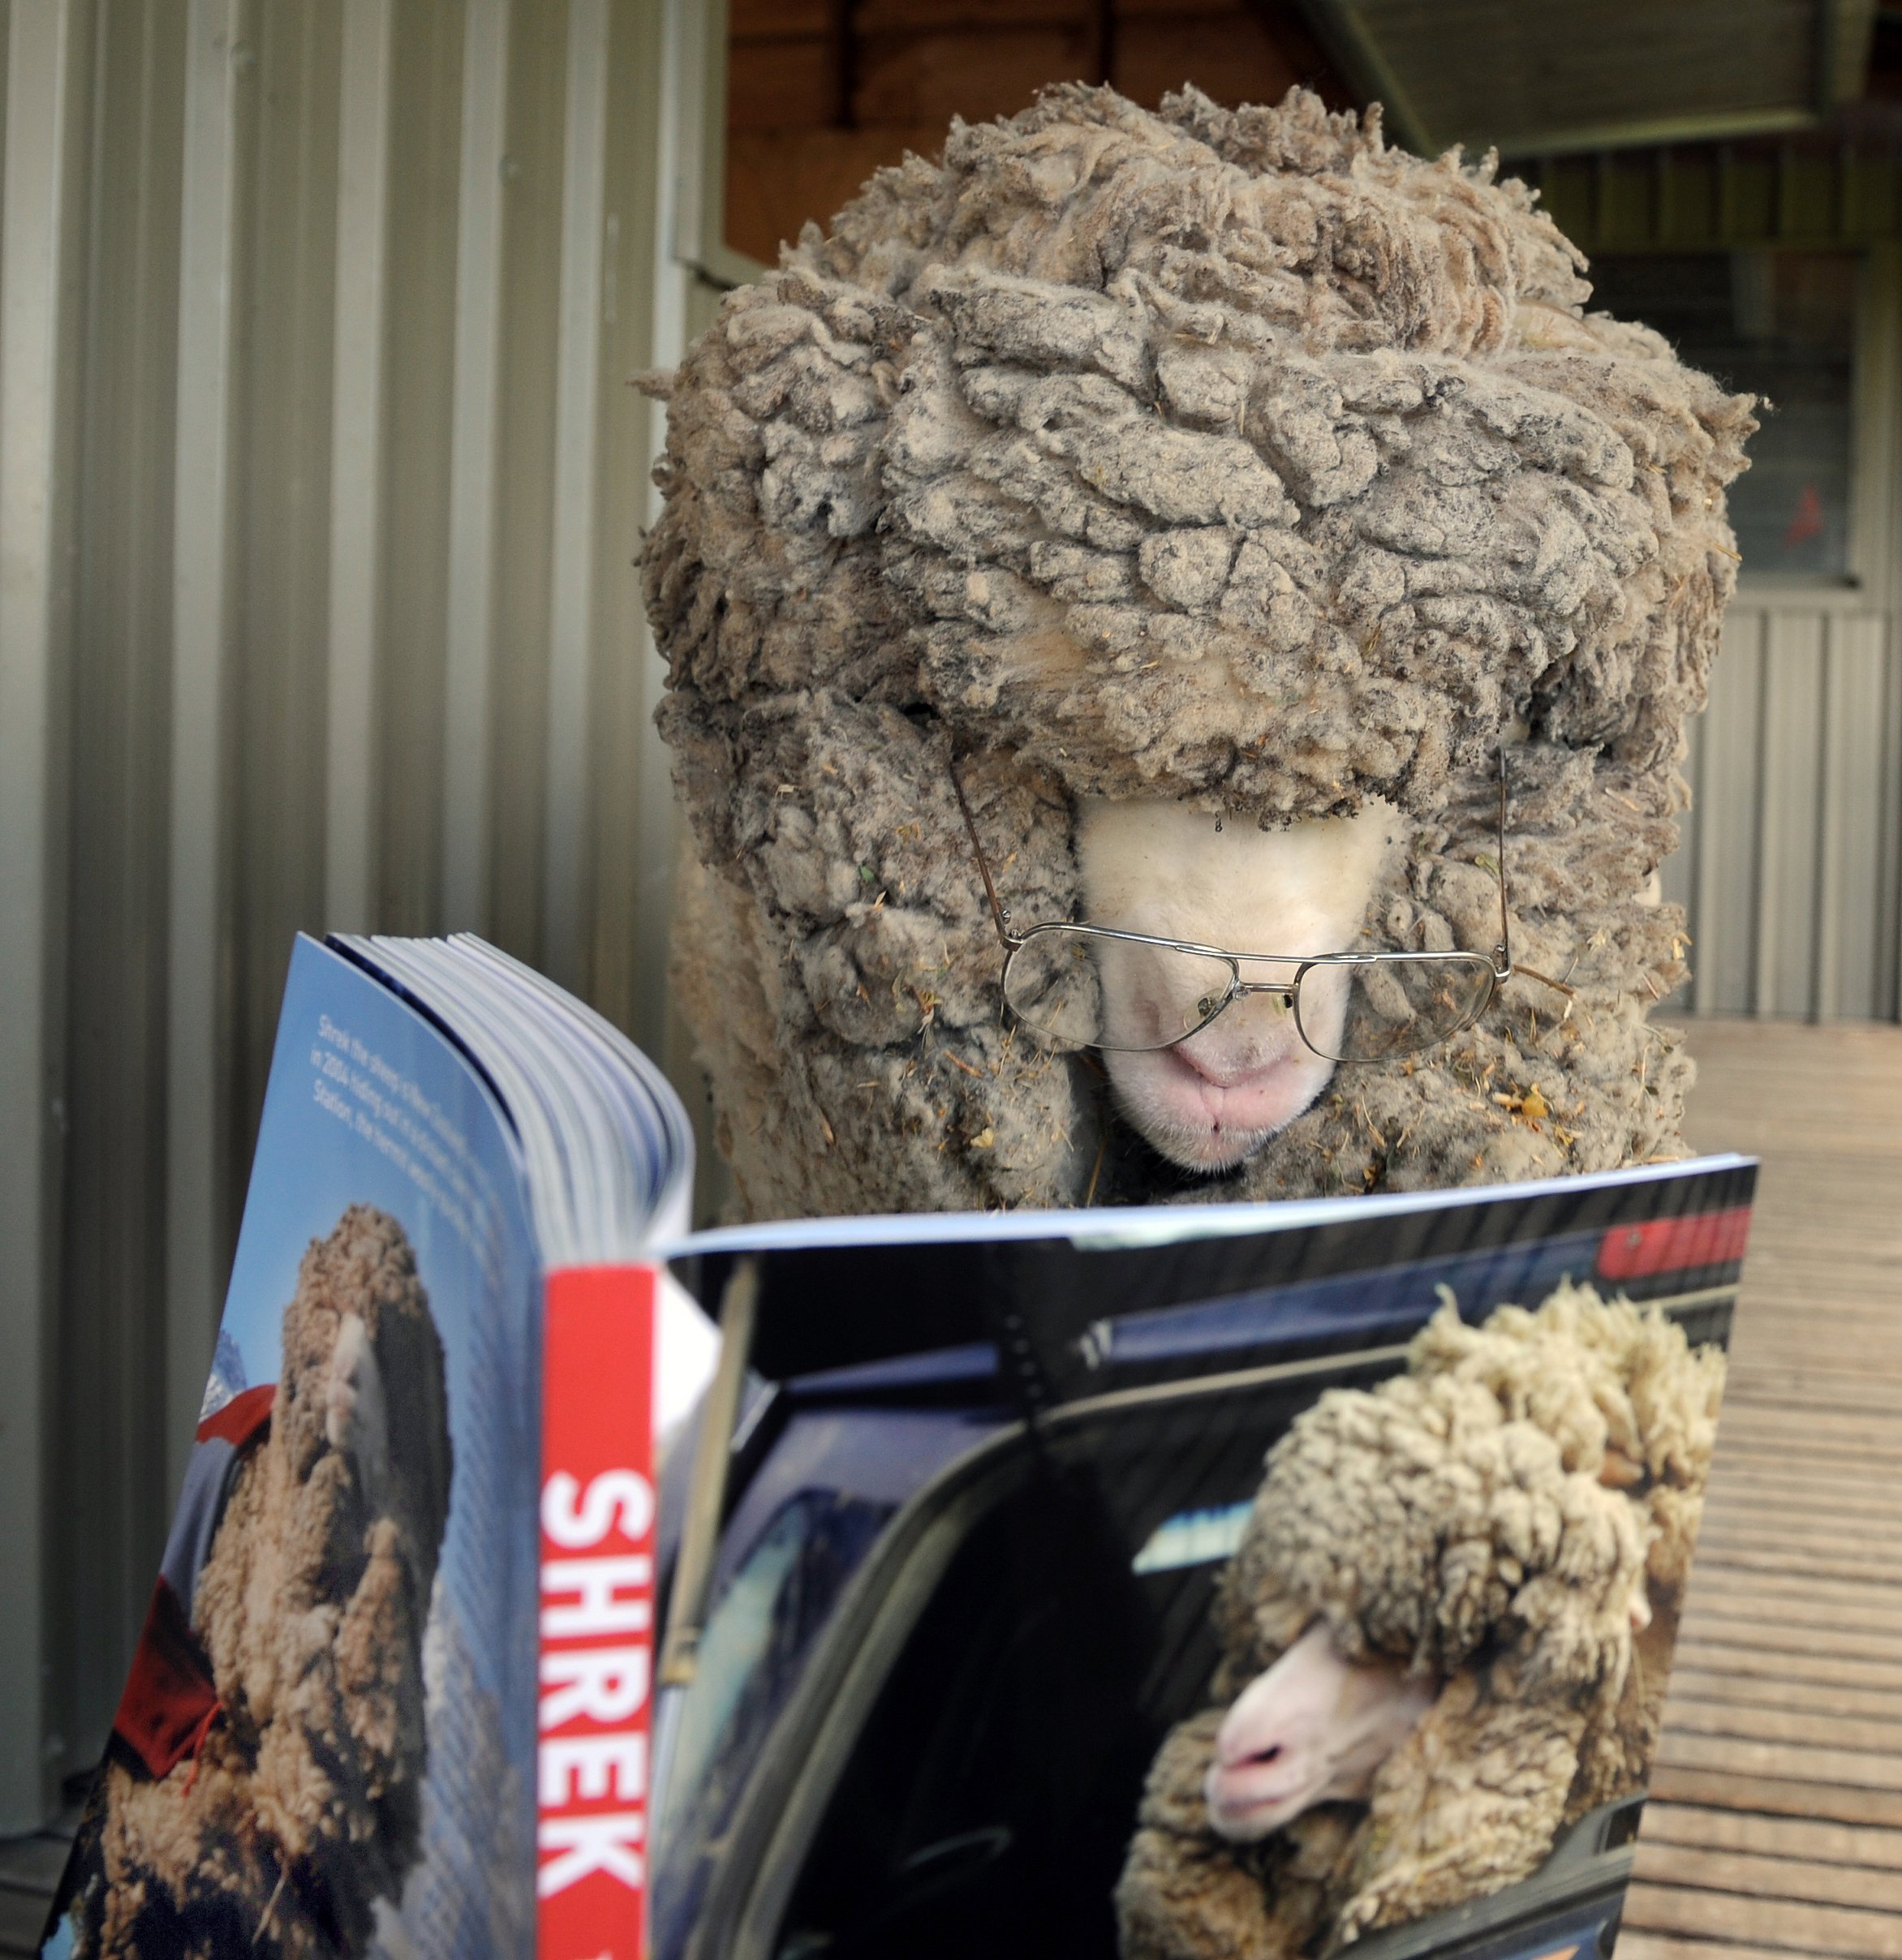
(1312, 1729)
(1166, 869)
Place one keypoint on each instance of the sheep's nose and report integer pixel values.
(1239, 1747)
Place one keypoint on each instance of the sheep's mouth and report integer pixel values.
(1209, 1119)
(1249, 1798)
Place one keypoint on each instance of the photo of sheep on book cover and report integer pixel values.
(328, 1742)
(1206, 1584)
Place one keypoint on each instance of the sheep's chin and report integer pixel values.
(1210, 1124)
(1246, 1805)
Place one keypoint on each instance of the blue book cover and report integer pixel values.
(327, 1742)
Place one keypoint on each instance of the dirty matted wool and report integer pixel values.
(1231, 458)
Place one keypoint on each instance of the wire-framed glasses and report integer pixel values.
(1096, 986)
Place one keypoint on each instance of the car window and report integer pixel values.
(988, 1801)
(748, 1662)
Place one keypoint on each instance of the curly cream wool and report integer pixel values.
(1484, 1521)
(1227, 459)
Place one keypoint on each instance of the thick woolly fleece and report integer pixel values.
(303, 1807)
(1486, 1518)
(1232, 458)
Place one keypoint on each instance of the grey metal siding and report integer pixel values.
(320, 483)
(1789, 865)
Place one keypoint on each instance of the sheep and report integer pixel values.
(299, 1805)
(1233, 473)
(1445, 1635)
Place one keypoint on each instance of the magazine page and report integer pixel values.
(327, 1742)
(608, 1155)
(1167, 1585)
(606, 1144)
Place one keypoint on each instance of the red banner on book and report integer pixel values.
(596, 1669)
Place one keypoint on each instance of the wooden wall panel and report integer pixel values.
(929, 78)
(1232, 56)
(823, 91)
(773, 82)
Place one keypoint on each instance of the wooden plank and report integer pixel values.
(777, 85)
(1745, 1489)
(1799, 1601)
(1736, 1756)
(1880, 1385)
(1786, 1690)
(928, 78)
(1734, 1661)
(1764, 1432)
(1761, 1874)
(1848, 1567)
(1773, 1422)
(1852, 1554)
(1804, 1837)
(1633, 1945)
(777, 181)
(1775, 1820)
(1856, 1736)
(1236, 60)
(1867, 1526)
(1829, 1492)
(1765, 1526)
(1802, 1927)
(1774, 1795)
(1746, 1630)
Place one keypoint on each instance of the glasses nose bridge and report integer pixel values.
(1239, 988)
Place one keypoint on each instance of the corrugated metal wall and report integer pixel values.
(1792, 862)
(1790, 867)
(319, 480)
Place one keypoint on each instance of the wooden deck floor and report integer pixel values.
(1775, 1826)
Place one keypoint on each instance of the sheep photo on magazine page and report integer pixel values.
(263, 1790)
(1445, 1635)
(1208, 496)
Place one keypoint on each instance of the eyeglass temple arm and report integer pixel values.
(1504, 968)
(999, 918)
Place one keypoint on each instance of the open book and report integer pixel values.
(394, 1685)
(1170, 1582)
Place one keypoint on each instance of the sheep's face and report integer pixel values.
(1168, 870)
(1312, 1729)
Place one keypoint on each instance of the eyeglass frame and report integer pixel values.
(1500, 966)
